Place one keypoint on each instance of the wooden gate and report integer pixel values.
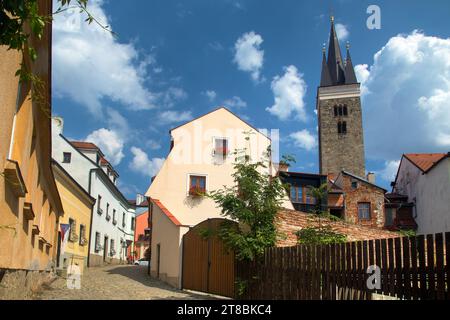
(207, 266)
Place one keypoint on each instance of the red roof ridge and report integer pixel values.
(166, 212)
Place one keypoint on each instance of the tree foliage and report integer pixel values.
(253, 203)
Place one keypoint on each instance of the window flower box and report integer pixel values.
(197, 191)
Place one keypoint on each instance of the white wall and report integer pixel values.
(79, 168)
(431, 194)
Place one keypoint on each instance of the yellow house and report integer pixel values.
(30, 205)
(77, 204)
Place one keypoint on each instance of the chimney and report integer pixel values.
(283, 167)
(57, 125)
(371, 177)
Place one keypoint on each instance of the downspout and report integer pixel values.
(92, 217)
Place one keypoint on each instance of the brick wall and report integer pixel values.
(290, 221)
(363, 193)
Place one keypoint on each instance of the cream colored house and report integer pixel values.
(201, 159)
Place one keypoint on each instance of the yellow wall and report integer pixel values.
(29, 144)
(77, 206)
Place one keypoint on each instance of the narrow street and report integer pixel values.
(115, 283)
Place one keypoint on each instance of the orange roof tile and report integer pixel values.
(166, 212)
(83, 145)
(425, 161)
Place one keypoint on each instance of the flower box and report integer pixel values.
(197, 191)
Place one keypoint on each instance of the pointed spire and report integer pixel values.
(335, 62)
(350, 76)
(325, 79)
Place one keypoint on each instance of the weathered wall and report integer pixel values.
(363, 193)
(22, 284)
(289, 222)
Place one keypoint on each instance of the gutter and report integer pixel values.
(92, 217)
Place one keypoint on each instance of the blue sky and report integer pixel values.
(175, 60)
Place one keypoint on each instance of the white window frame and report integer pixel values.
(188, 181)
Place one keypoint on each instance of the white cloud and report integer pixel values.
(90, 64)
(406, 105)
(389, 171)
(110, 142)
(142, 164)
(171, 116)
(289, 92)
(342, 31)
(235, 102)
(304, 139)
(210, 94)
(248, 55)
(172, 96)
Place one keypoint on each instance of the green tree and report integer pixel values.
(253, 202)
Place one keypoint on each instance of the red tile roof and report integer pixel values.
(166, 212)
(104, 162)
(84, 145)
(425, 161)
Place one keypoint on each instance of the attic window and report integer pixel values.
(67, 157)
(354, 184)
(221, 147)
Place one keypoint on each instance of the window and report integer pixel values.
(354, 184)
(197, 185)
(335, 111)
(99, 202)
(73, 230)
(123, 219)
(67, 157)
(345, 111)
(107, 209)
(112, 250)
(340, 111)
(97, 241)
(297, 194)
(221, 147)
(83, 239)
(342, 127)
(132, 223)
(114, 216)
(308, 198)
(364, 210)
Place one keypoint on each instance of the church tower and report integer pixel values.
(341, 145)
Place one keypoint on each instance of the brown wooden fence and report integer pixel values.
(411, 268)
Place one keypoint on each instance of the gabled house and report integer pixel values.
(200, 160)
(113, 216)
(357, 200)
(423, 179)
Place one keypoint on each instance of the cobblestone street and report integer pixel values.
(115, 283)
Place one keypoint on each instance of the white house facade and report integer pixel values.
(425, 179)
(200, 160)
(113, 217)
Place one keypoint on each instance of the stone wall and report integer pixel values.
(341, 151)
(290, 221)
(23, 284)
(364, 192)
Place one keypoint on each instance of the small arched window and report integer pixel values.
(345, 111)
(339, 127)
(344, 127)
(340, 110)
(335, 111)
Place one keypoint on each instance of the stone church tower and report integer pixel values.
(341, 145)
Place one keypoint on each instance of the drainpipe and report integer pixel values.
(92, 217)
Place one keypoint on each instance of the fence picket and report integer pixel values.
(406, 269)
(430, 267)
(414, 268)
(440, 275)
